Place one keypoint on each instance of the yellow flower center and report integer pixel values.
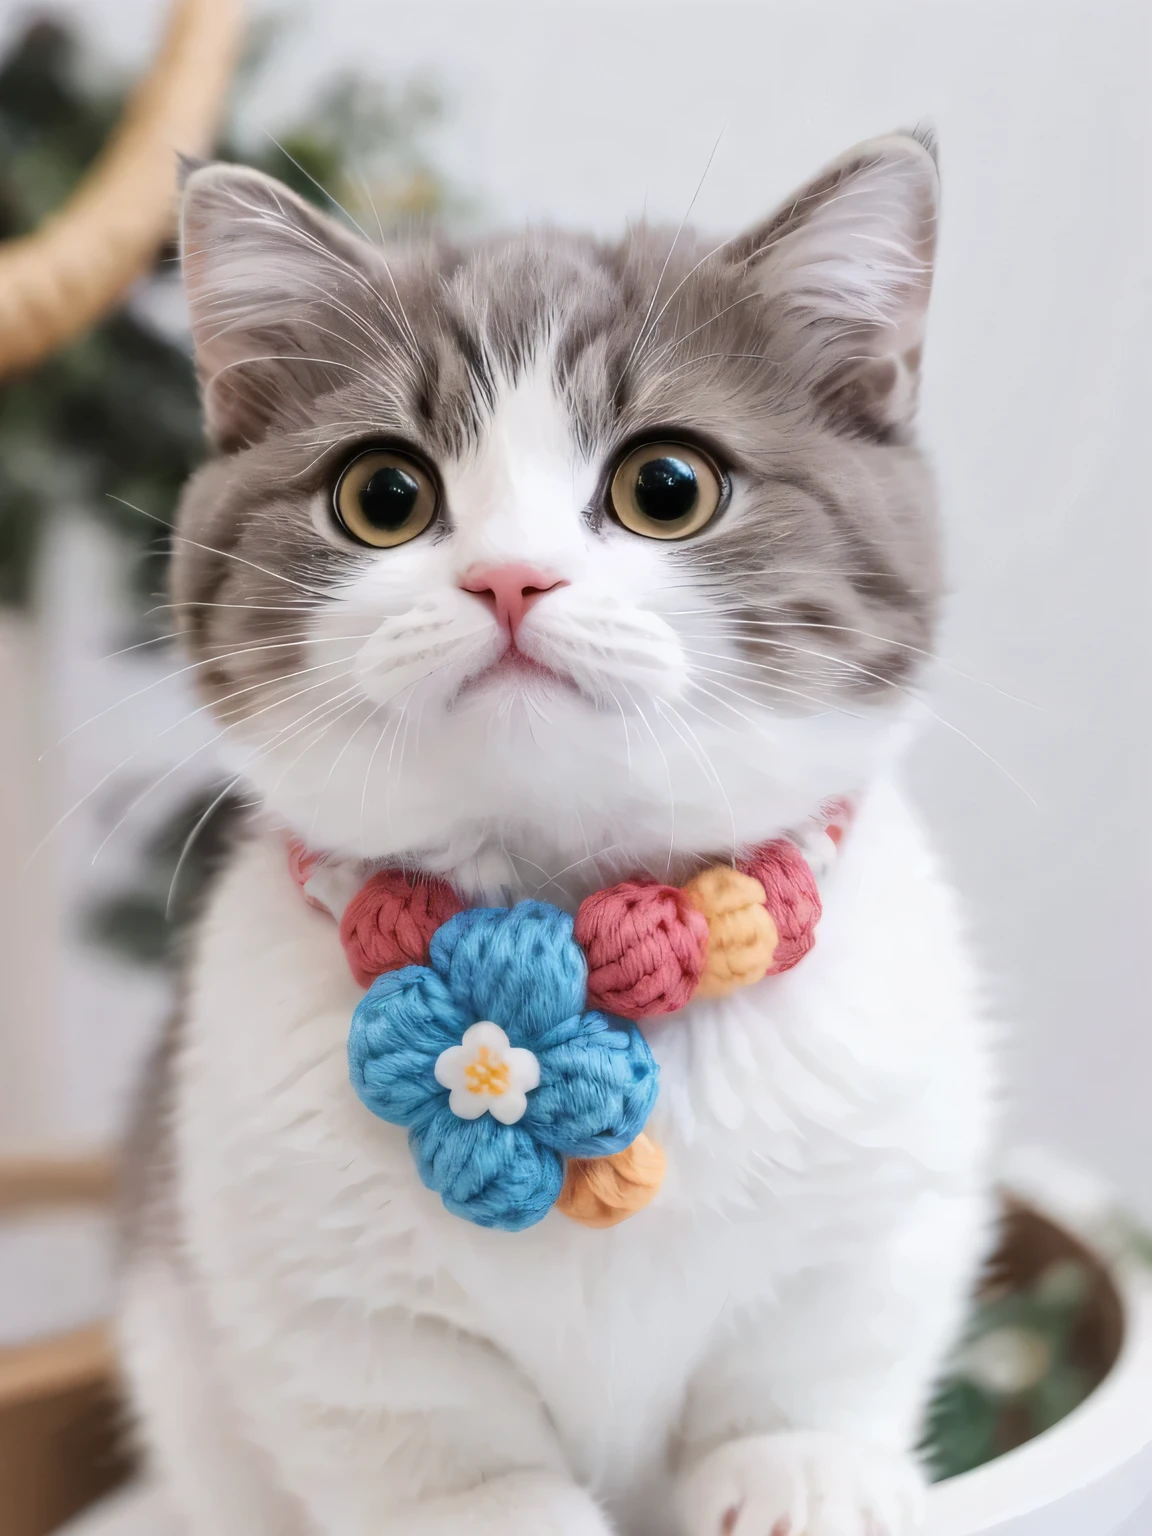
(485, 1075)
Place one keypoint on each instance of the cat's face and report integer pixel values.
(554, 549)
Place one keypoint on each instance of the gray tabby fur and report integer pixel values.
(328, 341)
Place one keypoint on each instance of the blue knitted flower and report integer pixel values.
(490, 1059)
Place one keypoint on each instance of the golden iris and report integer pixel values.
(384, 498)
(666, 491)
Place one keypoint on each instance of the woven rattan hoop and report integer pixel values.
(63, 276)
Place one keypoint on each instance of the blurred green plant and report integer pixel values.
(115, 415)
(1016, 1374)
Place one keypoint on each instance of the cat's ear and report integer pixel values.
(266, 275)
(846, 267)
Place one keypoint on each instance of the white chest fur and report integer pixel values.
(800, 1118)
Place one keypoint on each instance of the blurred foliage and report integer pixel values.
(175, 866)
(1017, 1373)
(363, 146)
(115, 415)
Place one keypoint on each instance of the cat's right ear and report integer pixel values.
(845, 267)
(265, 273)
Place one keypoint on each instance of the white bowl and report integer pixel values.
(1087, 1474)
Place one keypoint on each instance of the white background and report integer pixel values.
(1036, 405)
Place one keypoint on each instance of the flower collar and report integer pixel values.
(503, 1039)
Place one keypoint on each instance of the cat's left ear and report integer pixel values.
(280, 298)
(846, 268)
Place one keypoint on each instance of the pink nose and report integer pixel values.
(509, 590)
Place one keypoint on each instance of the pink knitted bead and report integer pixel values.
(791, 897)
(645, 945)
(390, 922)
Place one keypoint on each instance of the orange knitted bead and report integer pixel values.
(742, 936)
(604, 1191)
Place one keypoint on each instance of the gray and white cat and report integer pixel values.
(517, 660)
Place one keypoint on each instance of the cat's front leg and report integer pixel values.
(434, 1434)
(797, 1483)
(806, 1418)
(515, 1504)
(463, 1445)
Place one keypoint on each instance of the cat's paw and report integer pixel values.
(801, 1484)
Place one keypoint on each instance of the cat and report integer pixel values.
(449, 614)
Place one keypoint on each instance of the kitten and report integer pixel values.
(315, 1344)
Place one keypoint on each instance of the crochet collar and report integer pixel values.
(650, 947)
(503, 1039)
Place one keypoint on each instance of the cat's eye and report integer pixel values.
(385, 498)
(666, 490)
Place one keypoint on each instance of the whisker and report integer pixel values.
(223, 553)
(200, 602)
(667, 776)
(315, 720)
(201, 822)
(352, 271)
(708, 694)
(948, 725)
(119, 767)
(866, 634)
(169, 677)
(391, 751)
(705, 357)
(678, 341)
(176, 768)
(368, 767)
(627, 733)
(337, 760)
(823, 704)
(642, 333)
(588, 858)
(707, 766)
(140, 645)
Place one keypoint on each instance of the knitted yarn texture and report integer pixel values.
(501, 1040)
(522, 970)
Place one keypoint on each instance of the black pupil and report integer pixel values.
(666, 489)
(389, 498)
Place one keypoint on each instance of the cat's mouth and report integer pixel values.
(516, 668)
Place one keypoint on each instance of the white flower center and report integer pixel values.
(486, 1074)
